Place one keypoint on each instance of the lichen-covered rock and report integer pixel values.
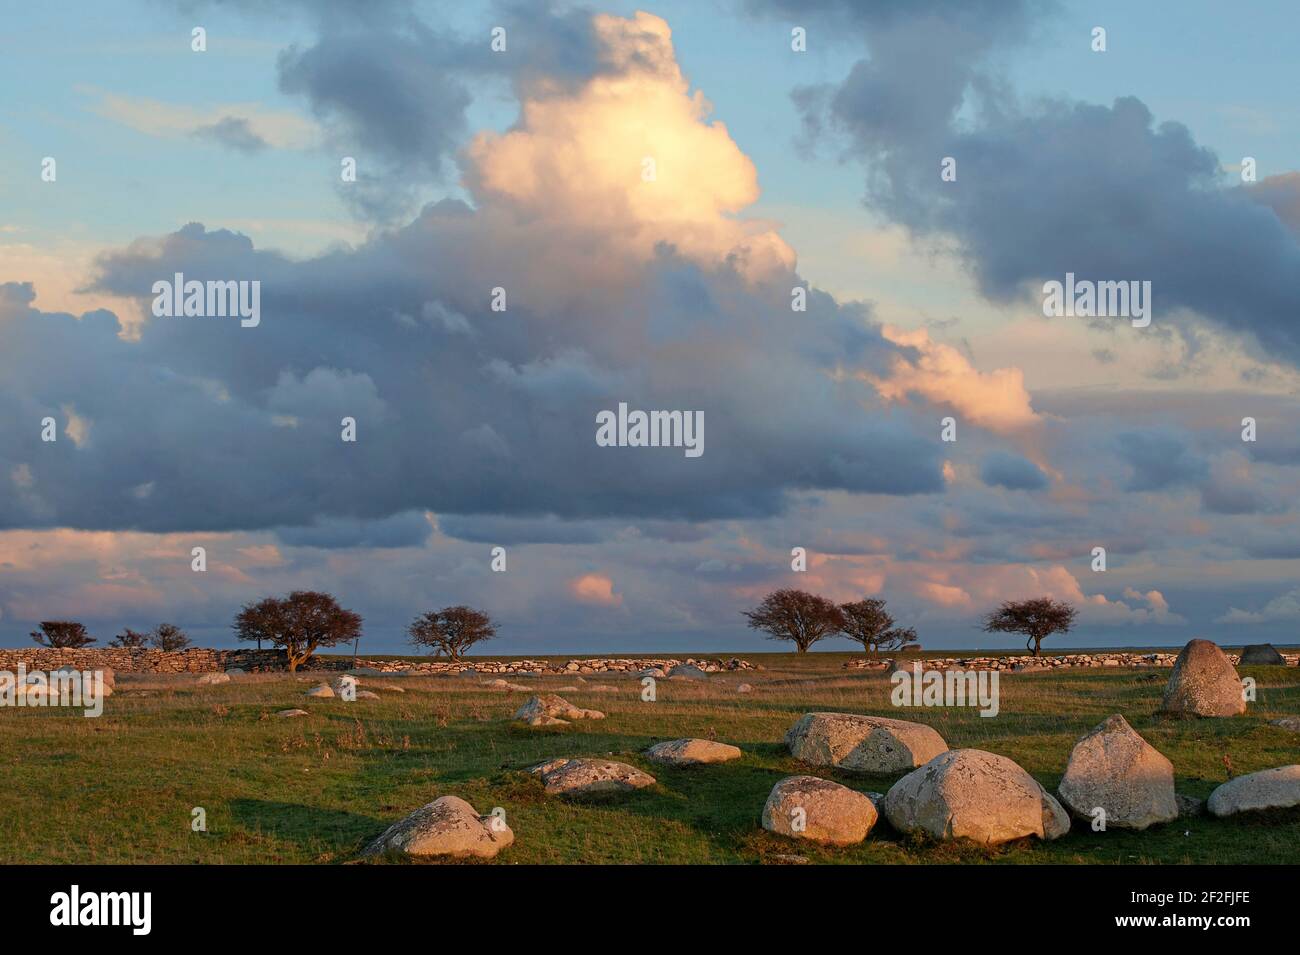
(1114, 768)
(692, 752)
(590, 777)
(1056, 821)
(1267, 789)
(448, 826)
(863, 744)
(805, 807)
(1203, 683)
(971, 794)
(552, 710)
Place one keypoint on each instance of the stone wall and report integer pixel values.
(142, 660)
(202, 660)
(1116, 658)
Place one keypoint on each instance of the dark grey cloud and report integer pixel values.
(1159, 460)
(1011, 471)
(1104, 192)
(241, 427)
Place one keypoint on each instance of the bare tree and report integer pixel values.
(452, 630)
(300, 623)
(870, 624)
(169, 637)
(64, 634)
(797, 616)
(130, 639)
(1037, 619)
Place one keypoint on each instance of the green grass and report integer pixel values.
(120, 788)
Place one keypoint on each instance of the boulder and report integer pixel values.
(1291, 723)
(549, 710)
(236, 671)
(863, 744)
(324, 690)
(1203, 683)
(1267, 789)
(448, 826)
(1115, 768)
(212, 679)
(367, 695)
(687, 671)
(1261, 655)
(590, 777)
(744, 688)
(971, 794)
(655, 672)
(1056, 821)
(805, 807)
(289, 714)
(692, 752)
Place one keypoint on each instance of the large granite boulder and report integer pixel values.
(590, 777)
(1203, 683)
(1261, 655)
(448, 826)
(1114, 768)
(1267, 789)
(971, 794)
(551, 710)
(692, 752)
(805, 807)
(863, 744)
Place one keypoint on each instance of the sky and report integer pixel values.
(640, 189)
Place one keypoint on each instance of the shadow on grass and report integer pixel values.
(337, 831)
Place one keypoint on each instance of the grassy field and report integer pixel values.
(120, 788)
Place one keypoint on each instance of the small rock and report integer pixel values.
(324, 690)
(692, 752)
(590, 777)
(863, 744)
(806, 807)
(744, 688)
(287, 714)
(1267, 789)
(546, 709)
(1291, 723)
(212, 679)
(448, 826)
(1189, 805)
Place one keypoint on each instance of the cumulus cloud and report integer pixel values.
(1284, 607)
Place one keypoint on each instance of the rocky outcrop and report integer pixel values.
(971, 794)
(1203, 683)
(692, 752)
(863, 744)
(1267, 789)
(1115, 769)
(805, 807)
(448, 826)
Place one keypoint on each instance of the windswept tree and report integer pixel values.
(299, 623)
(169, 637)
(797, 616)
(451, 630)
(870, 624)
(1037, 619)
(64, 634)
(130, 639)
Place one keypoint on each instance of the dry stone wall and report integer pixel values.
(1107, 659)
